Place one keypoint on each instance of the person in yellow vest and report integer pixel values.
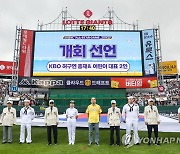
(51, 121)
(152, 120)
(8, 119)
(113, 118)
(93, 111)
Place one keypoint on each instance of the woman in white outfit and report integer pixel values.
(71, 115)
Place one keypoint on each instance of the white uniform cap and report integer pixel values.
(130, 97)
(150, 100)
(26, 100)
(9, 102)
(113, 102)
(72, 101)
(51, 101)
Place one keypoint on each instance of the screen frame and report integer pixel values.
(131, 31)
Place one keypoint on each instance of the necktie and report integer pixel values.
(9, 109)
(25, 111)
(151, 108)
(113, 109)
(131, 107)
(51, 109)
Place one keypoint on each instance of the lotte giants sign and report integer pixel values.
(87, 14)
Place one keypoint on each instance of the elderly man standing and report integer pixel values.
(27, 114)
(130, 115)
(93, 112)
(152, 120)
(8, 119)
(51, 121)
(113, 118)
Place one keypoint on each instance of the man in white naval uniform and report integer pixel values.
(130, 114)
(71, 115)
(27, 114)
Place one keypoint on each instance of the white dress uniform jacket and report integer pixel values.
(151, 115)
(113, 116)
(8, 117)
(51, 116)
(71, 113)
(27, 115)
(130, 112)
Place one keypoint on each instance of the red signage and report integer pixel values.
(150, 82)
(26, 53)
(6, 67)
(87, 14)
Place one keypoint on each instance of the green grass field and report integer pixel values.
(39, 144)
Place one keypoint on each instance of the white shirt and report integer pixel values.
(179, 110)
(130, 111)
(27, 115)
(71, 113)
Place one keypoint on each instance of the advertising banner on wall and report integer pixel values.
(39, 82)
(168, 68)
(145, 82)
(26, 50)
(150, 68)
(87, 82)
(6, 67)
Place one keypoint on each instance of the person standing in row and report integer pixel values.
(152, 120)
(71, 115)
(27, 114)
(51, 121)
(8, 119)
(113, 118)
(93, 112)
(130, 114)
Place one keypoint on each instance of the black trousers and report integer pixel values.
(54, 128)
(117, 128)
(155, 127)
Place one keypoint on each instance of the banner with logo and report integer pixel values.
(6, 67)
(87, 82)
(168, 68)
(150, 82)
(150, 68)
(39, 82)
(26, 47)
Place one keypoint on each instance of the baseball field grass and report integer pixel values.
(39, 144)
